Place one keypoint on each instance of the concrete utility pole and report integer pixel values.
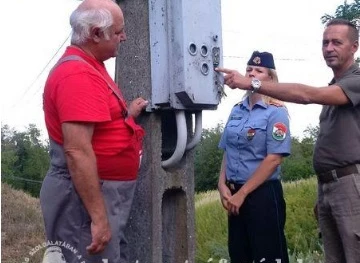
(161, 224)
(169, 58)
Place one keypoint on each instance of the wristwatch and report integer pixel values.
(255, 84)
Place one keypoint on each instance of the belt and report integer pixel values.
(334, 175)
(233, 186)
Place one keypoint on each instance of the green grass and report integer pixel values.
(301, 228)
(22, 225)
(211, 227)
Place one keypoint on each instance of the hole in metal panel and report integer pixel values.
(192, 49)
(204, 50)
(205, 68)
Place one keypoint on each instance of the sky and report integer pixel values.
(35, 34)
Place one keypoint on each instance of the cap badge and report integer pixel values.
(257, 60)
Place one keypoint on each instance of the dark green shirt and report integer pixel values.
(338, 143)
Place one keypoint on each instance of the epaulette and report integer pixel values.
(277, 104)
(237, 104)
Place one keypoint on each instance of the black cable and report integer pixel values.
(20, 179)
(41, 72)
(285, 59)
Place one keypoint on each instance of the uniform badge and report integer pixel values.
(279, 131)
(250, 134)
(257, 60)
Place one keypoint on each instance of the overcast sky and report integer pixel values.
(34, 31)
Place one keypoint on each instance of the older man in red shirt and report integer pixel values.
(87, 193)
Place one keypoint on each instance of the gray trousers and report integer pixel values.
(339, 219)
(67, 223)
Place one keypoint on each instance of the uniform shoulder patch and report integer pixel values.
(279, 131)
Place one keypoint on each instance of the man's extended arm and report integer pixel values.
(291, 92)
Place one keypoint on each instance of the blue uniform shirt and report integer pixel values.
(250, 135)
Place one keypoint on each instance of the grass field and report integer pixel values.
(22, 225)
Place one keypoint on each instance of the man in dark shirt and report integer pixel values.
(337, 149)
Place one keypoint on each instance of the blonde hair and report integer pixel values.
(267, 99)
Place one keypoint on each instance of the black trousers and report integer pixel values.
(257, 233)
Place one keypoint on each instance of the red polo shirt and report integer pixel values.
(77, 92)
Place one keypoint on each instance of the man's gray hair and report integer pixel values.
(82, 21)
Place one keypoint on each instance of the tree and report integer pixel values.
(8, 151)
(25, 158)
(347, 11)
(300, 163)
(208, 159)
(311, 133)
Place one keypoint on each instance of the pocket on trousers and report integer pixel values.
(357, 183)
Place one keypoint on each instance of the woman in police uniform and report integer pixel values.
(255, 140)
